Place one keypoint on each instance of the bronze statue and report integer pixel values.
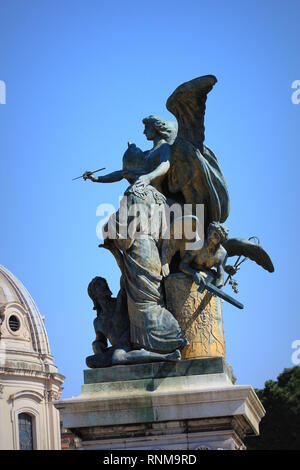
(179, 164)
(178, 169)
(207, 264)
(112, 324)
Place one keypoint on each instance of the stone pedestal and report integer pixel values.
(191, 404)
(199, 315)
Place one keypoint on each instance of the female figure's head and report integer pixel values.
(158, 128)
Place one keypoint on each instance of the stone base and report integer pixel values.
(199, 314)
(191, 404)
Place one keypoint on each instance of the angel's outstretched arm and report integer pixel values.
(115, 176)
(110, 178)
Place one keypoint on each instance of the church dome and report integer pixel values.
(29, 380)
(19, 316)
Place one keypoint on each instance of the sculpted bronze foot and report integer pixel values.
(141, 356)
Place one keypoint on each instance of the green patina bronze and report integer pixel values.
(137, 327)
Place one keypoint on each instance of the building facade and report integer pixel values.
(29, 381)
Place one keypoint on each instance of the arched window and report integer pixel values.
(25, 431)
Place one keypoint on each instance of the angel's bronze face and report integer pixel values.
(149, 131)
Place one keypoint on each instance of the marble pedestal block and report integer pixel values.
(199, 314)
(191, 404)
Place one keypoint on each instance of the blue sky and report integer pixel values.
(80, 76)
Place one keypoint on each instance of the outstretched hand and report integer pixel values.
(87, 175)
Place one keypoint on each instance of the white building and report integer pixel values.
(29, 381)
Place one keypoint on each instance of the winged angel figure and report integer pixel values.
(179, 168)
(179, 165)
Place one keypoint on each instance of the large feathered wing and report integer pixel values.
(188, 103)
(253, 251)
(194, 170)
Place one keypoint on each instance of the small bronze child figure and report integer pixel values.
(211, 255)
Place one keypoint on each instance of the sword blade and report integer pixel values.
(219, 293)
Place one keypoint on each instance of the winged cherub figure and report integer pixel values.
(212, 257)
